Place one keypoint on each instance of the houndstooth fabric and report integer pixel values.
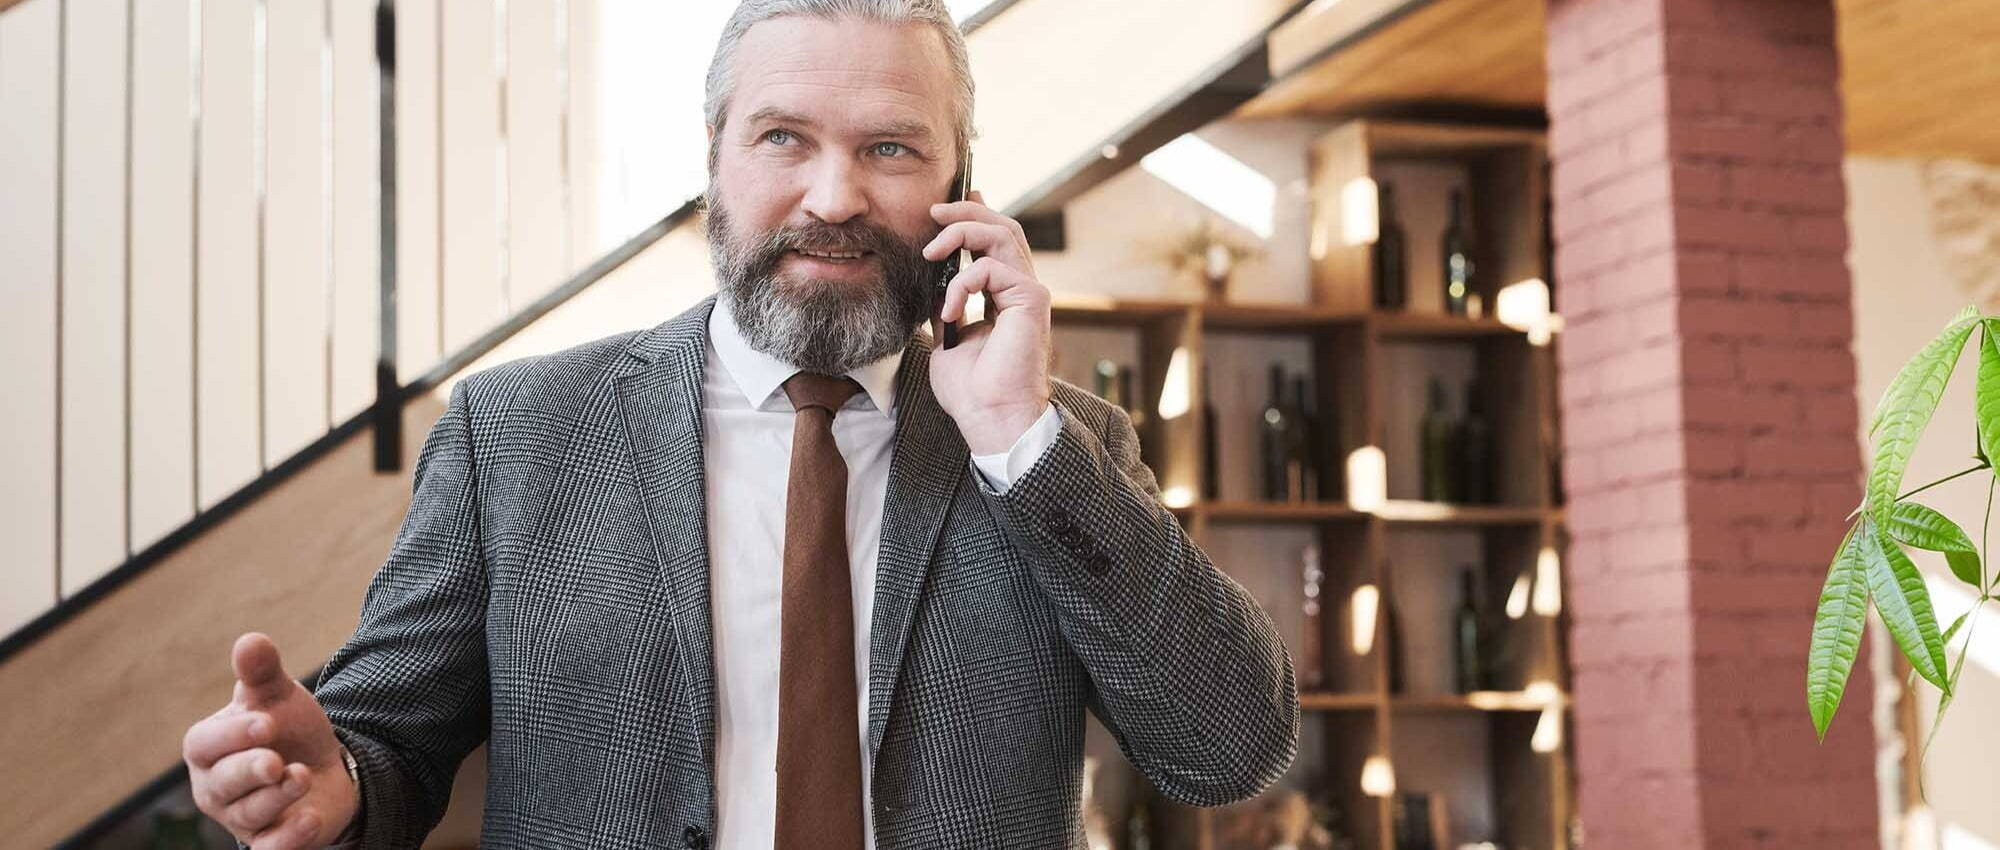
(548, 594)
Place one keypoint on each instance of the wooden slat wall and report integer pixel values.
(192, 265)
(28, 96)
(475, 284)
(92, 462)
(356, 224)
(228, 438)
(162, 292)
(295, 281)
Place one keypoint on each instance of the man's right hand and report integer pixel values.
(267, 765)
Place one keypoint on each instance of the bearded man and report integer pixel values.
(779, 572)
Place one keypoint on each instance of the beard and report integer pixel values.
(823, 326)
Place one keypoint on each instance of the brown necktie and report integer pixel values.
(819, 745)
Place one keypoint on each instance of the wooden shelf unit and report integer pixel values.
(1351, 349)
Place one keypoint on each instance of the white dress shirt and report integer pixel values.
(747, 427)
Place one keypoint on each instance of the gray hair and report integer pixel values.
(931, 13)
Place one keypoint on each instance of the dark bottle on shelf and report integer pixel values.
(1305, 455)
(1392, 642)
(1457, 268)
(1135, 407)
(1211, 479)
(1434, 446)
(1107, 381)
(1475, 450)
(1392, 272)
(1468, 667)
(1275, 429)
(1312, 658)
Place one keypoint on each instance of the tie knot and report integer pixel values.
(811, 389)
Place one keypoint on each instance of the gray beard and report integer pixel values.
(818, 325)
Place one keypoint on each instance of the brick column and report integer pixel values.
(1707, 387)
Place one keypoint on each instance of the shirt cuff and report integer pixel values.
(1001, 469)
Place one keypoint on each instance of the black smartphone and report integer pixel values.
(946, 333)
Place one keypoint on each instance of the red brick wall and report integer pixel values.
(1707, 386)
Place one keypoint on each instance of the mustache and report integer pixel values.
(823, 236)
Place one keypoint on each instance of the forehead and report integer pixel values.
(846, 71)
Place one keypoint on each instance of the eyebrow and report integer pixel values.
(915, 130)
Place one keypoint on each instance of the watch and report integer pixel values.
(353, 769)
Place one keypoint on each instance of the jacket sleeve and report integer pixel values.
(408, 691)
(1186, 670)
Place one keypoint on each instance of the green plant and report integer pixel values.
(1871, 565)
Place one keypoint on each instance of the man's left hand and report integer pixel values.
(995, 382)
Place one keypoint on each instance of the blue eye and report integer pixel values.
(774, 134)
(896, 145)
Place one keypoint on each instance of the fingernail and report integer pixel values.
(292, 786)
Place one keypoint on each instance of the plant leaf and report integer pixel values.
(1955, 626)
(1836, 634)
(1905, 409)
(1898, 591)
(1965, 314)
(1917, 525)
(1986, 392)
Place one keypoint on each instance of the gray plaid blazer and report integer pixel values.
(548, 595)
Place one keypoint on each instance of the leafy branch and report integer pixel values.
(1871, 566)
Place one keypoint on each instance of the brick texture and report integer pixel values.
(1707, 388)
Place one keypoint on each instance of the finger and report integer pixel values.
(1005, 287)
(260, 808)
(259, 671)
(976, 197)
(224, 733)
(296, 830)
(973, 278)
(980, 237)
(238, 775)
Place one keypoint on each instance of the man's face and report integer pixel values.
(837, 142)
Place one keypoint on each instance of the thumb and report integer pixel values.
(260, 674)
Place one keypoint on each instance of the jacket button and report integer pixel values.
(1058, 519)
(1098, 564)
(694, 838)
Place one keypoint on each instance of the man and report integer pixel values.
(966, 555)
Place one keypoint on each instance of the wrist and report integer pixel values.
(995, 430)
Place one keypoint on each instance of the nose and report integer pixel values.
(835, 194)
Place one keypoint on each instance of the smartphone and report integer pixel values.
(946, 333)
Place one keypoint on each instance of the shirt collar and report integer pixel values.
(759, 375)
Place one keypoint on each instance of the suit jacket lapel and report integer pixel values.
(925, 466)
(659, 395)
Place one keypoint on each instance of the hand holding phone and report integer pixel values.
(946, 333)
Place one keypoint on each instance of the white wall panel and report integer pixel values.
(28, 96)
(417, 213)
(535, 224)
(296, 294)
(474, 297)
(583, 63)
(356, 209)
(227, 409)
(162, 292)
(93, 281)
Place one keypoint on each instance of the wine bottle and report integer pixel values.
(1211, 479)
(1475, 450)
(1457, 267)
(1468, 669)
(1392, 282)
(1274, 434)
(1107, 381)
(1434, 442)
(1312, 673)
(1392, 642)
(1134, 403)
(1306, 453)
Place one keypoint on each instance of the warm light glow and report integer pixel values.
(1525, 306)
(1548, 583)
(1218, 180)
(1174, 394)
(1363, 606)
(1378, 778)
(1360, 219)
(1178, 496)
(1542, 691)
(1367, 479)
(1318, 246)
(1109, 151)
(1517, 598)
(1548, 731)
